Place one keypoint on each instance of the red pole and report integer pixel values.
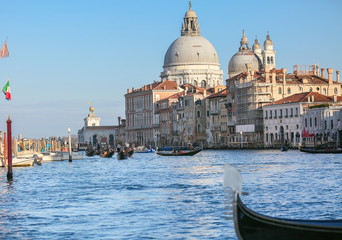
(5, 149)
(9, 145)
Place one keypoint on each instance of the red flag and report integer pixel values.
(4, 50)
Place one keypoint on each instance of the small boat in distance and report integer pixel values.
(284, 148)
(252, 225)
(108, 154)
(90, 152)
(325, 150)
(122, 155)
(180, 153)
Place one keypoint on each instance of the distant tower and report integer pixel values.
(268, 55)
(92, 120)
(257, 49)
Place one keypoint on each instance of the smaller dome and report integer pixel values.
(190, 14)
(268, 44)
(256, 45)
(237, 63)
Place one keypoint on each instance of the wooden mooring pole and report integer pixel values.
(9, 146)
(70, 151)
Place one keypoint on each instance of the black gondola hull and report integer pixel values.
(308, 150)
(190, 153)
(107, 155)
(252, 225)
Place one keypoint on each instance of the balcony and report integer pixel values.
(214, 112)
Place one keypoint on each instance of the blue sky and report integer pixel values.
(64, 54)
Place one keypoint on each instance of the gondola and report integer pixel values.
(108, 154)
(130, 152)
(182, 153)
(284, 148)
(326, 150)
(122, 155)
(252, 225)
(90, 152)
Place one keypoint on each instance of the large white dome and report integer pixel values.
(191, 50)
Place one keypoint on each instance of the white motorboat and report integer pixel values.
(19, 162)
(52, 156)
(74, 156)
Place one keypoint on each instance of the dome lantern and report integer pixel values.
(190, 26)
(244, 42)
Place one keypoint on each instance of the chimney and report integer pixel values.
(330, 72)
(335, 98)
(312, 98)
(322, 72)
(337, 76)
(267, 75)
(273, 76)
(127, 90)
(283, 70)
(119, 120)
(133, 89)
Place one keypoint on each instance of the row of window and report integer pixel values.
(269, 114)
(315, 122)
(280, 91)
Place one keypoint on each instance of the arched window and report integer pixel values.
(335, 90)
(324, 91)
(199, 129)
(195, 83)
(111, 140)
(310, 89)
(268, 60)
(279, 90)
(289, 91)
(94, 140)
(272, 60)
(203, 84)
(198, 114)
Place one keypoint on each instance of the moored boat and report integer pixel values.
(325, 150)
(145, 151)
(74, 156)
(90, 152)
(180, 153)
(52, 156)
(252, 225)
(22, 161)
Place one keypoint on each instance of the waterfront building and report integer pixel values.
(258, 85)
(142, 124)
(217, 119)
(322, 124)
(93, 133)
(191, 58)
(164, 109)
(297, 116)
(190, 116)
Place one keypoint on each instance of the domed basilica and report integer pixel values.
(256, 57)
(191, 58)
